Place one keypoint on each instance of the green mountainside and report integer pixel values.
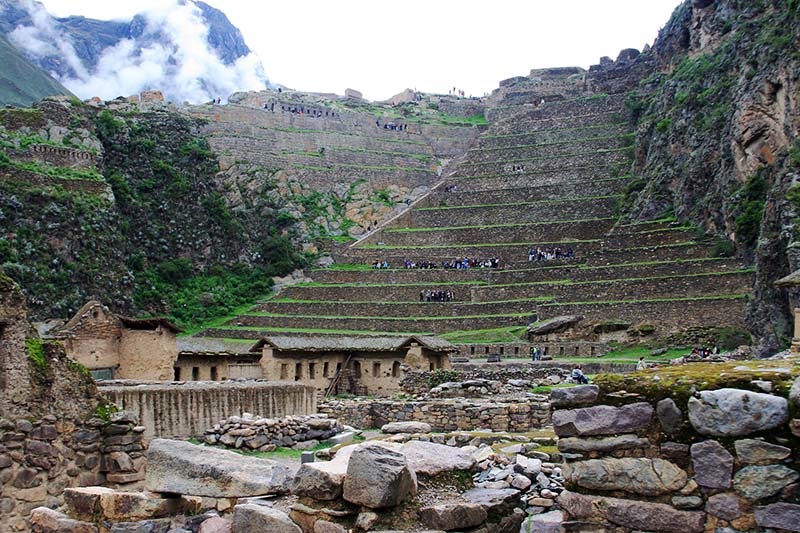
(21, 82)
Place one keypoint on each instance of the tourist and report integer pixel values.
(578, 376)
(641, 365)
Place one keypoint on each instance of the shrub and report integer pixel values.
(723, 248)
(440, 375)
(664, 125)
(175, 270)
(729, 338)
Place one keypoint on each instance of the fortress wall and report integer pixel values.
(443, 415)
(182, 410)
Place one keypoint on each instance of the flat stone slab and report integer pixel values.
(602, 420)
(601, 444)
(431, 459)
(452, 516)
(406, 427)
(253, 517)
(735, 412)
(758, 452)
(569, 396)
(649, 477)
(182, 468)
(779, 515)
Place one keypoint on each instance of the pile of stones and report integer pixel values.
(482, 388)
(506, 379)
(266, 434)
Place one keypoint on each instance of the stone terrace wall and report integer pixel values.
(39, 458)
(717, 460)
(518, 416)
(188, 409)
(415, 382)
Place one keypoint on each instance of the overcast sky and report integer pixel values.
(381, 48)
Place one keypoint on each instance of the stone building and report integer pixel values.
(205, 359)
(356, 365)
(118, 347)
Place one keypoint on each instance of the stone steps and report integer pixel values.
(502, 142)
(376, 323)
(557, 109)
(549, 149)
(517, 125)
(541, 271)
(579, 158)
(553, 178)
(566, 289)
(551, 210)
(605, 187)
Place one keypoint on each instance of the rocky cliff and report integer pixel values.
(717, 126)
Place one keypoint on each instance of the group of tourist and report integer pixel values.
(451, 188)
(518, 168)
(456, 92)
(300, 110)
(547, 254)
(435, 296)
(380, 264)
(391, 125)
(458, 263)
(703, 352)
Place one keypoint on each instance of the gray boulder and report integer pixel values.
(726, 505)
(649, 477)
(452, 516)
(779, 515)
(602, 420)
(321, 481)
(735, 412)
(569, 396)
(601, 444)
(543, 523)
(759, 482)
(378, 477)
(183, 468)
(554, 325)
(755, 452)
(253, 517)
(406, 427)
(669, 415)
(431, 459)
(713, 464)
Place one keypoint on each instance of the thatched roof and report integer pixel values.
(212, 347)
(790, 281)
(330, 343)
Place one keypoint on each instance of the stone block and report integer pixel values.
(602, 420)
(759, 452)
(735, 412)
(549, 522)
(378, 477)
(253, 517)
(431, 459)
(184, 468)
(713, 464)
(131, 506)
(779, 515)
(726, 505)
(406, 427)
(669, 415)
(452, 516)
(571, 396)
(759, 482)
(45, 520)
(649, 477)
(84, 502)
(601, 444)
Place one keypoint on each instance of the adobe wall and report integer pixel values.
(149, 355)
(183, 410)
(519, 416)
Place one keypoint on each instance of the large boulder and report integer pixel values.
(735, 412)
(431, 459)
(321, 481)
(253, 517)
(554, 325)
(378, 477)
(632, 514)
(452, 516)
(182, 468)
(569, 396)
(649, 477)
(602, 420)
(406, 427)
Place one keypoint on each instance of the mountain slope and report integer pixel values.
(21, 82)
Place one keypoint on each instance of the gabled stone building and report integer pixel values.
(117, 347)
(356, 365)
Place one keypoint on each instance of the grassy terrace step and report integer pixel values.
(499, 233)
(565, 156)
(522, 203)
(601, 187)
(552, 178)
(520, 126)
(367, 323)
(251, 335)
(567, 108)
(717, 309)
(542, 271)
(596, 139)
(397, 309)
(327, 167)
(489, 141)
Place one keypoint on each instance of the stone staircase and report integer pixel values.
(542, 175)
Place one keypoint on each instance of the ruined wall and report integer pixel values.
(186, 410)
(519, 416)
(148, 354)
(648, 453)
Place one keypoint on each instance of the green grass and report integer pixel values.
(219, 321)
(330, 331)
(653, 300)
(487, 336)
(392, 318)
(476, 245)
(519, 204)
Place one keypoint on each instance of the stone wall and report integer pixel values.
(40, 458)
(188, 409)
(519, 415)
(60, 156)
(644, 453)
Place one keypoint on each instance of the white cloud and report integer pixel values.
(181, 64)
